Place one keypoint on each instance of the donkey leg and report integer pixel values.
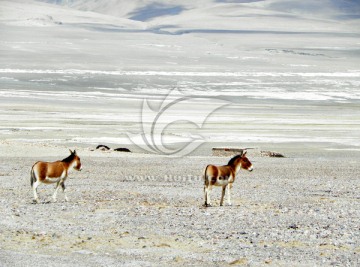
(56, 190)
(229, 194)
(208, 191)
(222, 195)
(205, 195)
(63, 188)
(34, 186)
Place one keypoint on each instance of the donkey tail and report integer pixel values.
(32, 177)
(204, 176)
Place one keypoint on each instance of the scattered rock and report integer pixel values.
(271, 154)
(241, 261)
(293, 226)
(163, 245)
(103, 147)
(226, 152)
(122, 149)
(106, 148)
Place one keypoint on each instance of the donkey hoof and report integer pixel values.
(206, 205)
(35, 201)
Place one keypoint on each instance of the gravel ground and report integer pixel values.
(130, 209)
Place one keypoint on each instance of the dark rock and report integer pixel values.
(122, 149)
(293, 226)
(271, 154)
(226, 152)
(103, 147)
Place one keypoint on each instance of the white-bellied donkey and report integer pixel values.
(53, 172)
(224, 176)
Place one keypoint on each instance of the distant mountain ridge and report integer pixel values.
(146, 10)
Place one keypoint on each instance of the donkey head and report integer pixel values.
(245, 162)
(76, 160)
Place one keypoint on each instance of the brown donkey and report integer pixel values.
(53, 172)
(224, 176)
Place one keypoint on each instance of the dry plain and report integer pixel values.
(131, 209)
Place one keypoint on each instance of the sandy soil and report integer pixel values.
(132, 209)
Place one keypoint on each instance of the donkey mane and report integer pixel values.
(69, 158)
(232, 161)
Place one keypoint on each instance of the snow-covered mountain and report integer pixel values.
(177, 17)
(295, 61)
(218, 33)
(145, 10)
(229, 29)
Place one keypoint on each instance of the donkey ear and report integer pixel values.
(71, 151)
(244, 153)
(74, 152)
